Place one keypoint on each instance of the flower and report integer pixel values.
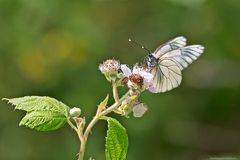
(138, 77)
(75, 112)
(131, 104)
(110, 66)
(110, 69)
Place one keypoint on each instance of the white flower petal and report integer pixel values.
(147, 79)
(139, 110)
(146, 75)
(152, 89)
(137, 69)
(147, 84)
(126, 70)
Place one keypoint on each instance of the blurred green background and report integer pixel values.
(54, 48)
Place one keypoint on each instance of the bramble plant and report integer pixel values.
(161, 72)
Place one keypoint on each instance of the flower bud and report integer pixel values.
(126, 107)
(75, 112)
(110, 69)
(131, 104)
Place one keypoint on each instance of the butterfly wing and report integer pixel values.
(173, 44)
(183, 56)
(167, 75)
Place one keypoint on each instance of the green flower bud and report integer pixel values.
(75, 112)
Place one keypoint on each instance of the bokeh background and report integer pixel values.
(54, 48)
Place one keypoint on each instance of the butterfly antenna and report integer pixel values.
(138, 44)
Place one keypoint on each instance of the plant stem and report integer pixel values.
(72, 125)
(82, 148)
(115, 92)
(95, 120)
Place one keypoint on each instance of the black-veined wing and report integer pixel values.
(173, 44)
(167, 76)
(183, 56)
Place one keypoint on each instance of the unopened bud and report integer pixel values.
(75, 112)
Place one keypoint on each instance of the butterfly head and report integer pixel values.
(151, 61)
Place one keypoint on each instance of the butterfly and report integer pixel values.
(167, 62)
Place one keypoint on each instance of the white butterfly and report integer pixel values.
(167, 62)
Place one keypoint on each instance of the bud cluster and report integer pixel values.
(137, 79)
(131, 104)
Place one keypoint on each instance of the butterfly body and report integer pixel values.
(167, 62)
(151, 61)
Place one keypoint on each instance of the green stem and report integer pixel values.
(72, 125)
(82, 148)
(115, 92)
(94, 121)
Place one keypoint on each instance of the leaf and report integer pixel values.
(116, 140)
(43, 113)
(33, 103)
(43, 120)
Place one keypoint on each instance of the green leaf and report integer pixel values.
(43, 120)
(33, 103)
(116, 140)
(43, 113)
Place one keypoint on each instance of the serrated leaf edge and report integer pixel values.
(108, 119)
